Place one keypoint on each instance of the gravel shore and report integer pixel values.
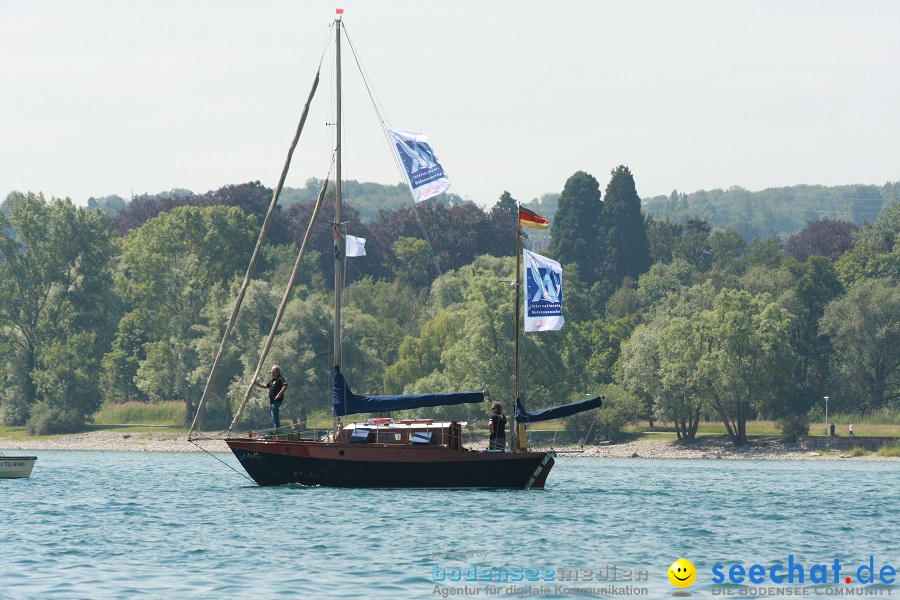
(706, 448)
(112, 441)
(718, 448)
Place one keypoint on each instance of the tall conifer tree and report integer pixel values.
(576, 225)
(626, 249)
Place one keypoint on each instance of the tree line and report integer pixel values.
(778, 212)
(673, 319)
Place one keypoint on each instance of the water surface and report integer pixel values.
(161, 525)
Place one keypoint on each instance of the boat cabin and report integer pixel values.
(413, 432)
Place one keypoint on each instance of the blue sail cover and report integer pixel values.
(556, 412)
(347, 403)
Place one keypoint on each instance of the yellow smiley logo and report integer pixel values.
(682, 573)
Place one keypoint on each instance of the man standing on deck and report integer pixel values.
(497, 431)
(277, 386)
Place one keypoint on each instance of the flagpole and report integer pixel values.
(515, 425)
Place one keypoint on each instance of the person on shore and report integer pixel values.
(277, 386)
(497, 438)
(832, 429)
(851, 428)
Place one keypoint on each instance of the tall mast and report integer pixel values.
(338, 238)
(515, 442)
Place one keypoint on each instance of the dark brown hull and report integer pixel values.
(271, 462)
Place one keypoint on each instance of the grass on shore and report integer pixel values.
(160, 413)
(889, 451)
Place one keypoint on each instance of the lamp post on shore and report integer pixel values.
(826, 415)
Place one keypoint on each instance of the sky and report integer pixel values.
(103, 97)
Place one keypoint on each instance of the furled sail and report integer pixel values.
(556, 412)
(348, 403)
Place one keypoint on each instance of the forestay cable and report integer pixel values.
(270, 215)
(379, 111)
(283, 305)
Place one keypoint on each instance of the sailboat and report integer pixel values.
(380, 452)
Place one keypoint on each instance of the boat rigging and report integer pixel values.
(379, 452)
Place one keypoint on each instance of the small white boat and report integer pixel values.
(13, 467)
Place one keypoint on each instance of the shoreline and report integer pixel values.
(703, 449)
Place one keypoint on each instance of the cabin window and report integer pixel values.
(359, 436)
(388, 437)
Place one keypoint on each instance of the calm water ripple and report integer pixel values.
(158, 525)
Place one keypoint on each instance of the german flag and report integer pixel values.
(528, 218)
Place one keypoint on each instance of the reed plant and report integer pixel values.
(889, 450)
(143, 413)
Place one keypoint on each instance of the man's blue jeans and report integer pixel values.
(274, 408)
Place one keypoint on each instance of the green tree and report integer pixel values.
(865, 332)
(638, 368)
(813, 284)
(658, 362)
(303, 348)
(592, 349)
(728, 252)
(420, 355)
(608, 422)
(694, 246)
(766, 252)
(576, 226)
(876, 250)
(746, 357)
(413, 261)
(54, 274)
(663, 279)
(662, 236)
(67, 386)
(682, 400)
(506, 203)
(172, 266)
(625, 247)
(397, 308)
(121, 363)
(468, 343)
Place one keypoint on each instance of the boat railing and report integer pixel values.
(295, 432)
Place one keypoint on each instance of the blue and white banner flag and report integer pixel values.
(424, 173)
(543, 293)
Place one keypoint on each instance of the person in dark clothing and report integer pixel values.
(497, 439)
(277, 386)
(832, 429)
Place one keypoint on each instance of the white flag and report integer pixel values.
(543, 293)
(356, 246)
(424, 173)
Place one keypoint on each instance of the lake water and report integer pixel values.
(159, 525)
